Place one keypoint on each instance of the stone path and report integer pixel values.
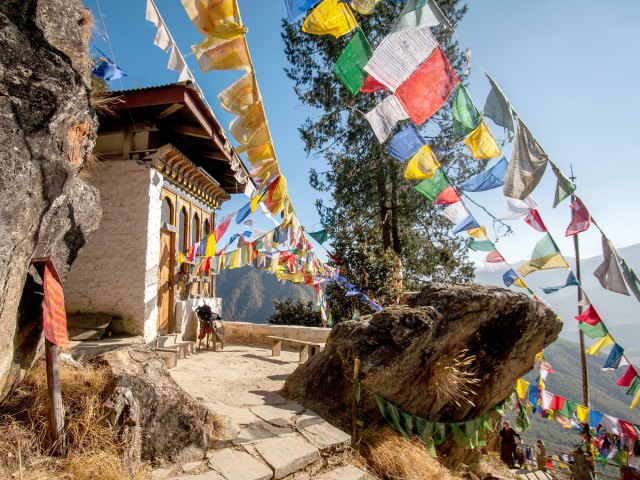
(267, 436)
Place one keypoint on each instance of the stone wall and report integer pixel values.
(117, 273)
(256, 333)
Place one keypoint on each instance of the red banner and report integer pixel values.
(55, 318)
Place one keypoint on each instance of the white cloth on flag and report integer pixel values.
(515, 208)
(399, 55)
(611, 424)
(249, 189)
(163, 39)
(547, 397)
(456, 212)
(384, 117)
(152, 14)
(608, 272)
(496, 267)
(176, 63)
(527, 165)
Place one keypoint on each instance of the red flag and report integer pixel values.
(54, 316)
(627, 378)
(371, 85)
(447, 196)
(627, 429)
(556, 403)
(589, 316)
(191, 254)
(534, 220)
(426, 89)
(222, 227)
(494, 257)
(580, 219)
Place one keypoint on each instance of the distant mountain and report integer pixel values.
(248, 294)
(620, 313)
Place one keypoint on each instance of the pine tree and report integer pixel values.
(376, 219)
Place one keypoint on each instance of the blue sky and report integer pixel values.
(570, 69)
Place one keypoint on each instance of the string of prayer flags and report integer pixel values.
(240, 95)
(221, 54)
(417, 14)
(564, 186)
(608, 272)
(527, 165)
(428, 88)
(580, 218)
(217, 18)
(489, 179)
(545, 256)
(320, 236)
(481, 143)
(422, 165)
(515, 208)
(330, 17)
(349, 68)
(631, 278)
(406, 143)
(466, 117)
(384, 116)
(364, 7)
(498, 109)
(613, 359)
(600, 344)
(447, 196)
(297, 8)
(431, 187)
(399, 55)
(571, 281)
(534, 220)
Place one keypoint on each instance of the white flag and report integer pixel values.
(384, 117)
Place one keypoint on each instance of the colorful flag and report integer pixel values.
(240, 95)
(431, 187)
(557, 402)
(482, 245)
(54, 317)
(428, 88)
(217, 18)
(417, 14)
(599, 345)
(466, 117)
(510, 277)
(627, 429)
(611, 424)
(244, 127)
(613, 360)
(365, 7)
(330, 17)
(371, 85)
(534, 220)
(608, 272)
(222, 226)
(564, 186)
(522, 388)
(498, 108)
(515, 208)
(406, 143)
(399, 55)
(320, 236)
(260, 152)
(595, 418)
(580, 218)
(589, 316)
(384, 117)
(631, 278)
(220, 54)
(349, 68)
(571, 281)
(447, 196)
(593, 331)
(456, 212)
(478, 233)
(481, 143)
(243, 213)
(629, 375)
(491, 178)
(423, 165)
(210, 249)
(545, 256)
(297, 8)
(527, 165)
(466, 224)
(494, 257)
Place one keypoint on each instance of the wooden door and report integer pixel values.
(165, 282)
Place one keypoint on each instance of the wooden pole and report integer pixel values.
(56, 409)
(354, 399)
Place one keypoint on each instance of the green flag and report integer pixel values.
(564, 186)
(349, 67)
(545, 256)
(568, 409)
(593, 331)
(431, 187)
(320, 236)
(482, 246)
(633, 388)
(466, 117)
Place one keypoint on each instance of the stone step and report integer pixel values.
(347, 472)
(287, 455)
(202, 476)
(169, 355)
(322, 434)
(168, 340)
(237, 465)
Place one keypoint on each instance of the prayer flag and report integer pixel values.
(447, 196)
(571, 281)
(613, 360)
(320, 236)
(259, 137)
(54, 317)
(515, 208)
(384, 117)
(595, 418)
(423, 165)
(365, 7)
(634, 387)
(599, 345)
(244, 127)
(498, 108)
(594, 331)
(240, 95)
(456, 212)
(428, 88)
(495, 267)
(349, 68)
(636, 400)
(222, 226)
(557, 403)
(482, 246)
(234, 259)
(589, 316)
(547, 397)
(297, 8)
(261, 152)
(243, 213)
(478, 233)
(522, 387)
(494, 257)
(633, 283)
(510, 277)
(627, 429)
(611, 424)
(534, 394)
(399, 55)
(491, 178)
(466, 117)
(406, 143)
(431, 187)
(580, 218)
(629, 375)
(527, 165)
(330, 17)
(210, 249)
(583, 413)
(371, 85)
(220, 54)
(466, 224)
(481, 143)
(608, 272)
(418, 14)
(217, 18)
(564, 186)
(568, 408)
(108, 70)
(545, 256)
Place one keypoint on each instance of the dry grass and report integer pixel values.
(94, 450)
(103, 101)
(454, 380)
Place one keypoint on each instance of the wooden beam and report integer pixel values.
(171, 109)
(149, 98)
(204, 122)
(213, 154)
(190, 131)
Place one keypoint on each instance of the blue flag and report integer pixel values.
(108, 70)
(466, 224)
(509, 277)
(571, 281)
(613, 360)
(595, 418)
(405, 143)
(243, 213)
(297, 8)
(491, 178)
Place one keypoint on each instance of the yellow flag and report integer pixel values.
(255, 201)
(260, 137)
(210, 249)
(240, 95)
(222, 262)
(583, 413)
(220, 54)
(181, 257)
(330, 17)
(244, 127)
(482, 144)
(480, 233)
(365, 7)
(422, 165)
(234, 259)
(550, 262)
(599, 345)
(519, 283)
(636, 400)
(265, 171)
(522, 388)
(260, 152)
(218, 18)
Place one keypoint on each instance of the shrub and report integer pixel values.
(288, 312)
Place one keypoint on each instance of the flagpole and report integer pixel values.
(583, 354)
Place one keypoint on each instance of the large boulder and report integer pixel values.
(47, 130)
(452, 354)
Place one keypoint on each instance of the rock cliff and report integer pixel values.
(47, 130)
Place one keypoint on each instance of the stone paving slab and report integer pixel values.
(286, 455)
(236, 465)
(201, 476)
(191, 466)
(238, 415)
(259, 431)
(321, 433)
(280, 415)
(342, 473)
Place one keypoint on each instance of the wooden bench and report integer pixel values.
(305, 347)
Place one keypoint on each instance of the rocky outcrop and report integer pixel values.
(47, 130)
(156, 416)
(451, 355)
